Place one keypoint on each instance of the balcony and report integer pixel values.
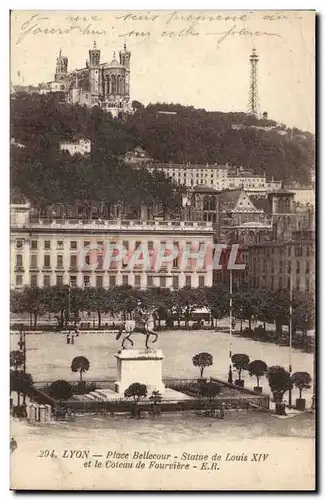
(19, 269)
(117, 225)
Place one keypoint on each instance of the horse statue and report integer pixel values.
(142, 322)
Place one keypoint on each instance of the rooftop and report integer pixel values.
(114, 225)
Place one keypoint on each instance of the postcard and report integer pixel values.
(162, 245)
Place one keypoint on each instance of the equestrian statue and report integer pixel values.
(142, 322)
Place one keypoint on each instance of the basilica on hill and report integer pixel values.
(106, 85)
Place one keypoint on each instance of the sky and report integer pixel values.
(197, 58)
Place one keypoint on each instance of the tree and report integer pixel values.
(17, 359)
(202, 360)
(189, 299)
(60, 389)
(240, 362)
(96, 299)
(56, 300)
(80, 364)
(210, 390)
(279, 382)
(30, 300)
(155, 398)
(301, 380)
(245, 305)
(136, 391)
(217, 298)
(257, 368)
(19, 382)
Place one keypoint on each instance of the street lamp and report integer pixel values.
(230, 380)
(22, 347)
(290, 341)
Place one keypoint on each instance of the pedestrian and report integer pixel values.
(13, 445)
(72, 339)
(68, 338)
(222, 410)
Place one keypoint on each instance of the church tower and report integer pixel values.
(94, 62)
(61, 69)
(125, 56)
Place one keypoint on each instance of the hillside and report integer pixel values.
(42, 173)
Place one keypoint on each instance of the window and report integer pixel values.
(298, 284)
(59, 261)
(126, 245)
(112, 280)
(59, 245)
(125, 280)
(19, 280)
(47, 280)
(33, 261)
(298, 251)
(163, 281)
(201, 281)
(137, 244)
(73, 281)
(86, 281)
(289, 251)
(289, 267)
(34, 244)
(99, 261)
(73, 261)
(307, 285)
(47, 245)
(59, 280)
(73, 245)
(280, 283)
(47, 261)
(188, 280)
(149, 281)
(33, 280)
(86, 243)
(281, 267)
(150, 245)
(19, 260)
(298, 267)
(175, 282)
(175, 262)
(137, 280)
(99, 281)
(19, 243)
(307, 268)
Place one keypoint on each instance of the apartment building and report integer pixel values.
(216, 176)
(271, 264)
(86, 253)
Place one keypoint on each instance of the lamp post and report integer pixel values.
(230, 328)
(22, 347)
(290, 340)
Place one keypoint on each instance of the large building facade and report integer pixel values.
(217, 176)
(97, 84)
(67, 252)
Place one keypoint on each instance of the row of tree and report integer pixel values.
(250, 305)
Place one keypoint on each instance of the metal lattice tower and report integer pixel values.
(253, 99)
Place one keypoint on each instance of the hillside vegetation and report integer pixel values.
(44, 174)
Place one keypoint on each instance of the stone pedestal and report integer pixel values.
(139, 365)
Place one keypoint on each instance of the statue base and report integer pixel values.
(139, 365)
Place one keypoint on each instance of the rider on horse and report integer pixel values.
(142, 322)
